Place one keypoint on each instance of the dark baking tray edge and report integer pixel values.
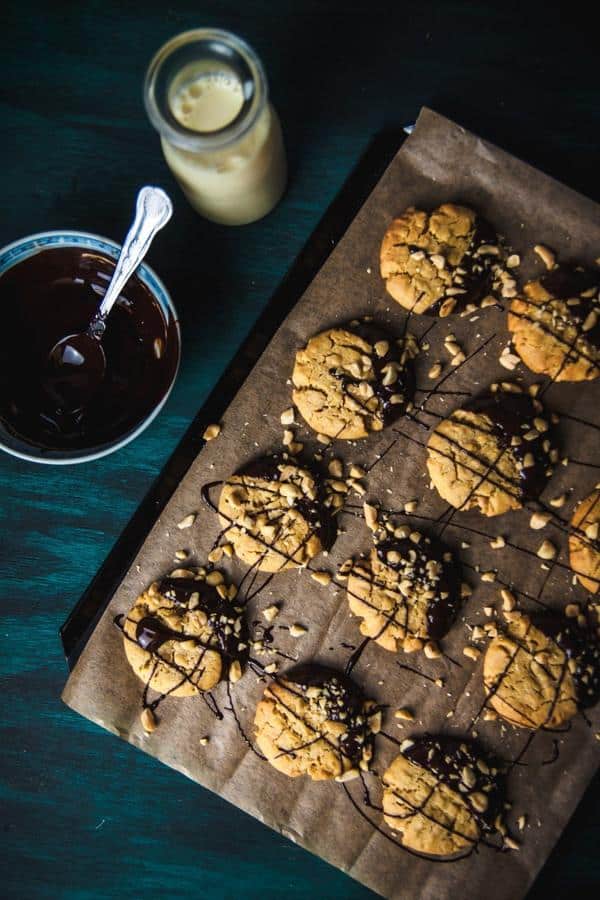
(82, 620)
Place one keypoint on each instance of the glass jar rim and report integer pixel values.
(157, 104)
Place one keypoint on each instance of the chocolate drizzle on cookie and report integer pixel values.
(341, 701)
(448, 261)
(326, 695)
(394, 362)
(570, 317)
(319, 518)
(225, 620)
(354, 379)
(459, 764)
(582, 650)
(225, 626)
(429, 567)
(478, 273)
(514, 417)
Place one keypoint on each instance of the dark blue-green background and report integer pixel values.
(83, 815)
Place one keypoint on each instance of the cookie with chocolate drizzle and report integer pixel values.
(555, 324)
(274, 516)
(584, 546)
(407, 593)
(444, 262)
(494, 454)
(442, 796)
(183, 634)
(315, 721)
(541, 670)
(353, 380)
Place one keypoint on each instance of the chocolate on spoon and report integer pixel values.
(76, 363)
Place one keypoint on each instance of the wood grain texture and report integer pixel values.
(83, 815)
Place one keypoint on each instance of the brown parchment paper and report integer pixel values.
(440, 161)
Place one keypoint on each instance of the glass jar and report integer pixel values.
(206, 94)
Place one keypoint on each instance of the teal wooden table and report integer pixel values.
(84, 815)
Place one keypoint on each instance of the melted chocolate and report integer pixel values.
(441, 612)
(56, 293)
(478, 278)
(447, 757)
(580, 644)
(404, 384)
(509, 414)
(315, 512)
(151, 633)
(220, 612)
(344, 702)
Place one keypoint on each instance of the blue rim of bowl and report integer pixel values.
(27, 246)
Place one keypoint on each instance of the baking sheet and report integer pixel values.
(440, 161)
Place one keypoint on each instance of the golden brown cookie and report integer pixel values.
(407, 593)
(493, 455)
(441, 796)
(353, 380)
(539, 672)
(316, 722)
(584, 547)
(273, 515)
(182, 635)
(555, 324)
(443, 262)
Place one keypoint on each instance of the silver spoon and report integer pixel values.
(78, 360)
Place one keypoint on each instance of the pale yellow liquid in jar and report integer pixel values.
(240, 182)
(209, 103)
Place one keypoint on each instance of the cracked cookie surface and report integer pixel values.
(353, 380)
(584, 546)
(555, 324)
(181, 636)
(441, 796)
(407, 592)
(315, 722)
(443, 262)
(539, 672)
(493, 454)
(274, 516)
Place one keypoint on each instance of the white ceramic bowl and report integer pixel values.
(34, 243)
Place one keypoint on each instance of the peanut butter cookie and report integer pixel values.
(407, 593)
(441, 796)
(273, 515)
(493, 454)
(541, 670)
(182, 635)
(316, 722)
(353, 380)
(584, 547)
(555, 324)
(443, 262)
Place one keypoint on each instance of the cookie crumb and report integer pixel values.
(546, 550)
(405, 714)
(148, 720)
(287, 416)
(187, 522)
(348, 775)
(539, 520)
(271, 613)
(471, 652)
(323, 578)
(235, 671)
(204, 741)
(211, 432)
(546, 255)
(559, 501)
(297, 630)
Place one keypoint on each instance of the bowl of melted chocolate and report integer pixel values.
(50, 286)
